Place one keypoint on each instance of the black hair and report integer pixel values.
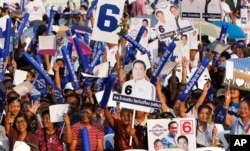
(90, 106)
(123, 110)
(204, 106)
(13, 99)
(182, 136)
(157, 140)
(225, 54)
(76, 96)
(21, 114)
(140, 61)
(172, 122)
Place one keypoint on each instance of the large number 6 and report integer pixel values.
(104, 17)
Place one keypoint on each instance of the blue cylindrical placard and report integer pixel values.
(51, 21)
(82, 58)
(138, 37)
(107, 91)
(39, 60)
(91, 8)
(188, 88)
(7, 39)
(69, 49)
(95, 60)
(85, 139)
(223, 33)
(70, 68)
(86, 38)
(22, 25)
(162, 62)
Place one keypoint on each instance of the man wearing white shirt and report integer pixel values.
(36, 10)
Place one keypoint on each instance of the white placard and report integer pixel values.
(145, 59)
(23, 88)
(229, 70)
(19, 76)
(47, 45)
(99, 96)
(111, 55)
(108, 16)
(99, 71)
(158, 130)
(56, 112)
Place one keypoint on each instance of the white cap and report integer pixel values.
(68, 86)
(194, 45)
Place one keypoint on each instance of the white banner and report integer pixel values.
(178, 133)
(108, 16)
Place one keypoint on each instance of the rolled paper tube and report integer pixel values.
(83, 58)
(223, 33)
(46, 77)
(95, 47)
(188, 88)
(51, 21)
(73, 31)
(107, 91)
(117, 85)
(91, 8)
(39, 60)
(69, 49)
(70, 68)
(86, 38)
(22, 25)
(164, 59)
(7, 39)
(85, 139)
(95, 60)
(138, 37)
(136, 44)
(1, 32)
(156, 2)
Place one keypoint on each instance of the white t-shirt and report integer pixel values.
(36, 10)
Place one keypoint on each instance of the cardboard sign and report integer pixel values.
(47, 45)
(158, 133)
(108, 15)
(57, 111)
(241, 80)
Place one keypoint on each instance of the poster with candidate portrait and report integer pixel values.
(170, 22)
(179, 133)
(201, 10)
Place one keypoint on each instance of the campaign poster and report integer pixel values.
(178, 133)
(201, 10)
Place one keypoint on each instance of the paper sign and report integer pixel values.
(229, 70)
(218, 46)
(47, 45)
(57, 111)
(21, 146)
(158, 131)
(241, 80)
(169, 66)
(19, 76)
(23, 88)
(146, 60)
(111, 55)
(99, 95)
(101, 70)
(108, 15)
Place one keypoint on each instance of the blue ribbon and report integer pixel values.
(44, 74)
(91, 8)
(136, 44)
(22, 25)
(7, 39)
(51, 21)
(107, 91)
(223, 33)
(95, 60)
(1, 64)
(188, 88)
(82, 58)
(70, 68)
(85, 139)
(162, 62)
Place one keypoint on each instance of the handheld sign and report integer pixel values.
(108, 14)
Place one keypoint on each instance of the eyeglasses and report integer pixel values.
(20, 122)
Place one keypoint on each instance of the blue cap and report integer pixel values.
(241, 44)
(5, 5)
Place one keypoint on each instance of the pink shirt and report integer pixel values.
(139, 8)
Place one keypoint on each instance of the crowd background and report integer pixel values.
(21, 123)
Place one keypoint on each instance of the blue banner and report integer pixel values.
(91, 8)
(94, 46)
(7, 39)
(46, 77)
(22, 25)
(188, 88)
(40, 84)
(136, 44)
(95, 60)
(70, 68)
(223, 33)
(85, 139)
(83, 59)
(163, 61)
(107, 91)
(51, 21)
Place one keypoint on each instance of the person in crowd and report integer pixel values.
(95, 132)
(51, 137)
(138, 8)
(36, 10)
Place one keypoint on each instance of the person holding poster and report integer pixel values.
(139, 87)
(170, 140)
